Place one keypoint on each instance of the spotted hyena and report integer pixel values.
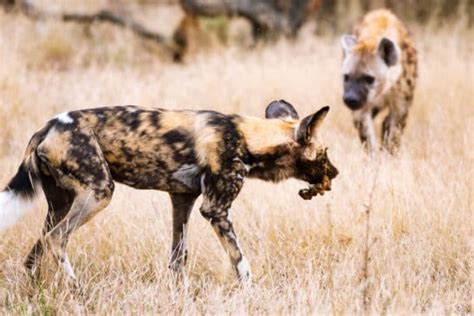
(77, 157)
(379, 71)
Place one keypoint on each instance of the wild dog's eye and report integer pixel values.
(346, 77)
(368, 79)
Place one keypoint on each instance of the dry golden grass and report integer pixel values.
(307, 257)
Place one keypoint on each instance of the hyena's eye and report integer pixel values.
(368, 79)
(346, 78)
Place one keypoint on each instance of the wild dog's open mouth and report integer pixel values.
(315, 189)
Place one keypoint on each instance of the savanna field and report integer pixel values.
(307, 257)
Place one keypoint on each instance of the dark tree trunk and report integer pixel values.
(269, 18)
(28, 8)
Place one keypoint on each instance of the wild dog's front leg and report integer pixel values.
(182, 206)
(219, 191)
(365, 125)
(222, 224)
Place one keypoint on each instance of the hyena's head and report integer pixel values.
(310, 156)
(370, 69)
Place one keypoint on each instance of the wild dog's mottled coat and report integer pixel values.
(380, 71)
(78, 155)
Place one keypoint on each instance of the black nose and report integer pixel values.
(352, 102)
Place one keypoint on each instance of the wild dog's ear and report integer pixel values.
(388, 51)
(348, 42)
(309, 126)
(280, 109)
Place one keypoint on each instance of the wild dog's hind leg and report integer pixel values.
(219, 191)
(59, 202)
(86, 204)
(74, 159)
(182, 206)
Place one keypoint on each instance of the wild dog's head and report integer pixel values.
(311, 161)
(369, 70)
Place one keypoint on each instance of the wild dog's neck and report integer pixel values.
(277, 165)
(270, 148)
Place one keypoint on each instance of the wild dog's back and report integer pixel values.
(150, 148)
(143, 147)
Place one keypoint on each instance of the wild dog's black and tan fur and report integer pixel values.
(78, 155)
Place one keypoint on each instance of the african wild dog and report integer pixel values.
(379, 71)
(78, 155)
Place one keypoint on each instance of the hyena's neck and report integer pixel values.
(270, 147)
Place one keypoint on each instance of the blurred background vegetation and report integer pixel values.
(340, 14)
(192, 25)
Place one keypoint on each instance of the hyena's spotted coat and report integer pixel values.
(379, 71)
(78, 155)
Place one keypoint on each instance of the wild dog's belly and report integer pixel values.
(185, 179)
(153, 164)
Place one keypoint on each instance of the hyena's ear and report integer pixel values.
(388, 51)
(309, 125)
(348, 41)
(280, 109)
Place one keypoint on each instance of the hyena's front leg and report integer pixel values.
(393, 126)
(182, 206)
(364, 123)
(219, 190)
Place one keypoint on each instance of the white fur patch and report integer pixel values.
(203, 186)
(250, 167)
(12, 207)
(68, 268)
(229, 215)
(243, 269)
(64, 118)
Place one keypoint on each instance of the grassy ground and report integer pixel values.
(307, 257)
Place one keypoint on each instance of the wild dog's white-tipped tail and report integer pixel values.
(12, 207)
(18, 196)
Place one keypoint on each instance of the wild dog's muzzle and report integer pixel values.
(324, 185)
